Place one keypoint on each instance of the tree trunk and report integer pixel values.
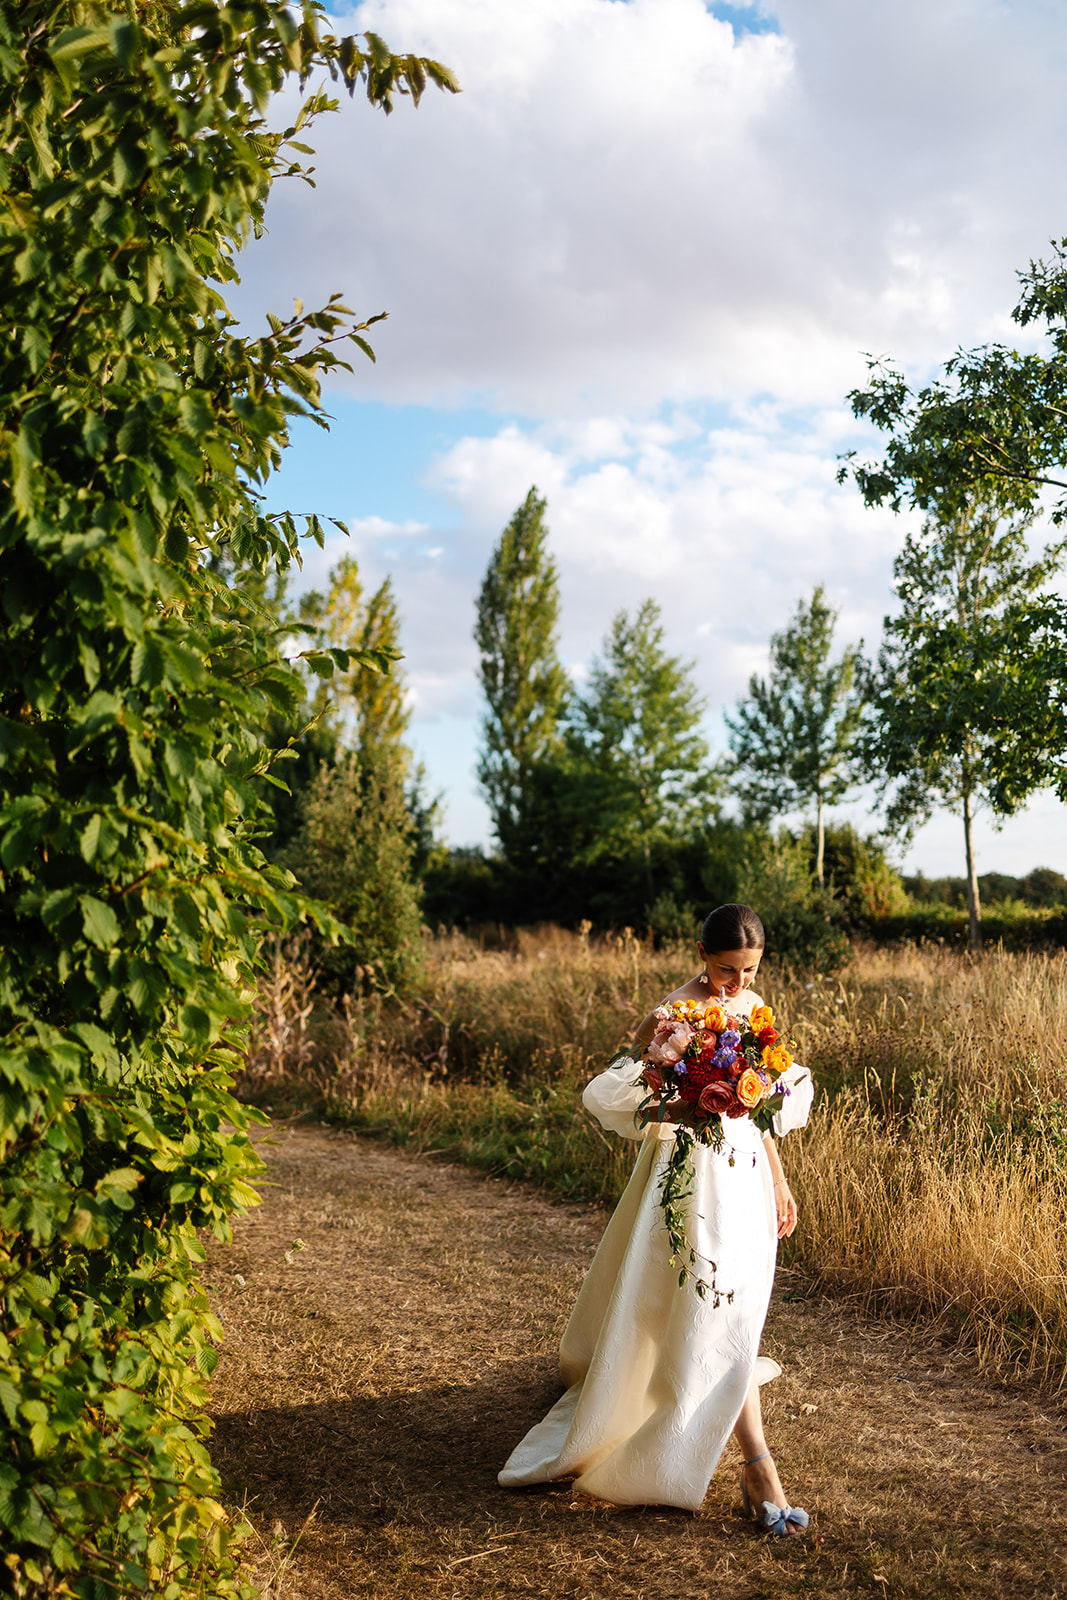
(820, 843)
(974, 908)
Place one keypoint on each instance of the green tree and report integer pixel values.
(354, 850)
(794, 738)
(363, 822)
(136, 429)
(636, 757)
(968, 700)
(525, 686)
(991, 427)
(354, 709)
(360, 705)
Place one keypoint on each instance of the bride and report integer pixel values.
(658, 1378)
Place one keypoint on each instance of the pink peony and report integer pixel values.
(681, 1039)
(671, 1042)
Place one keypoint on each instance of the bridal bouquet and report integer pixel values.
(719, 1066)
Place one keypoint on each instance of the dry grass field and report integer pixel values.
(932, 1179)
(373, 1381)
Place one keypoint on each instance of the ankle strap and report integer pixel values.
(751, 1459)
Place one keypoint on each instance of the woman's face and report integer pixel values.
(732, 970)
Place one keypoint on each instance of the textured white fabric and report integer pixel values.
(655, 1376)
(613, 1098)
(797, 1107)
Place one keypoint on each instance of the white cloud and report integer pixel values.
(726, 535)
(628, 204)
(382, 528)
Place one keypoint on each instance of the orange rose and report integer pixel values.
(762, 1017)
(749, 1089)
(715, 1018)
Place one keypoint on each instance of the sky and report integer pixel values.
(638, 262)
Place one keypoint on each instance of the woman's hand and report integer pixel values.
(784, 1205)
(675, 1110)
(786, 1208)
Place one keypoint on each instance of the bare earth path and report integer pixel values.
(372, 1384)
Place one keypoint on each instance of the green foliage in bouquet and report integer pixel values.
(135, 428)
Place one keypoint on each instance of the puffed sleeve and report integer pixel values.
(797, 1103)
(613, 1097)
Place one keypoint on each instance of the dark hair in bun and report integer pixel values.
(732, 928)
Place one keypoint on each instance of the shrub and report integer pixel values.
(135, 687)
(354, 850)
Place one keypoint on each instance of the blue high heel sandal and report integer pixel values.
(784, 1522)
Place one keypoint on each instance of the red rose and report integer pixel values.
(718, 1098)
(767, 1037)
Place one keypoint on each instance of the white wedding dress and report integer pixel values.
(656, 1376)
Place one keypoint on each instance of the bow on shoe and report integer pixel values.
(776, 1519)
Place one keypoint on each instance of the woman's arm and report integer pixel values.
(784, 1203)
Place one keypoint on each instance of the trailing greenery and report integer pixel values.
(135, 430)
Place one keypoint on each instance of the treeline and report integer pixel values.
(606, 804)
(1040, 890)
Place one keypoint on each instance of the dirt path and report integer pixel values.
(373, 1382)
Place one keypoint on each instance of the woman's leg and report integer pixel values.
(761, 1477)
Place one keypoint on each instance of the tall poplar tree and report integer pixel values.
(524, 683)
(356, 833)
(794, 739)
(362, 706)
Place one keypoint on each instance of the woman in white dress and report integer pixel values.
(658, 1378)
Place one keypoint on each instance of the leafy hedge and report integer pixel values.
(135, 429)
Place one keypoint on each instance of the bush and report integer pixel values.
(135, 430)
(354, 850)
(803, 922)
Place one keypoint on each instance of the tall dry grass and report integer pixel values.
(932, 1179)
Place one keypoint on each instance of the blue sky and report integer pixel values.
(637, 262)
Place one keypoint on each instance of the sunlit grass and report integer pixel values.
(931, 1179)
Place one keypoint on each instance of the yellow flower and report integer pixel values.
(777, 1058)
(749, 1089)
(715, 1018)
(762, 1017)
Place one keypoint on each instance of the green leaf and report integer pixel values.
(207, 1359)
(99, 922)
(25, 459)
(89, 842)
